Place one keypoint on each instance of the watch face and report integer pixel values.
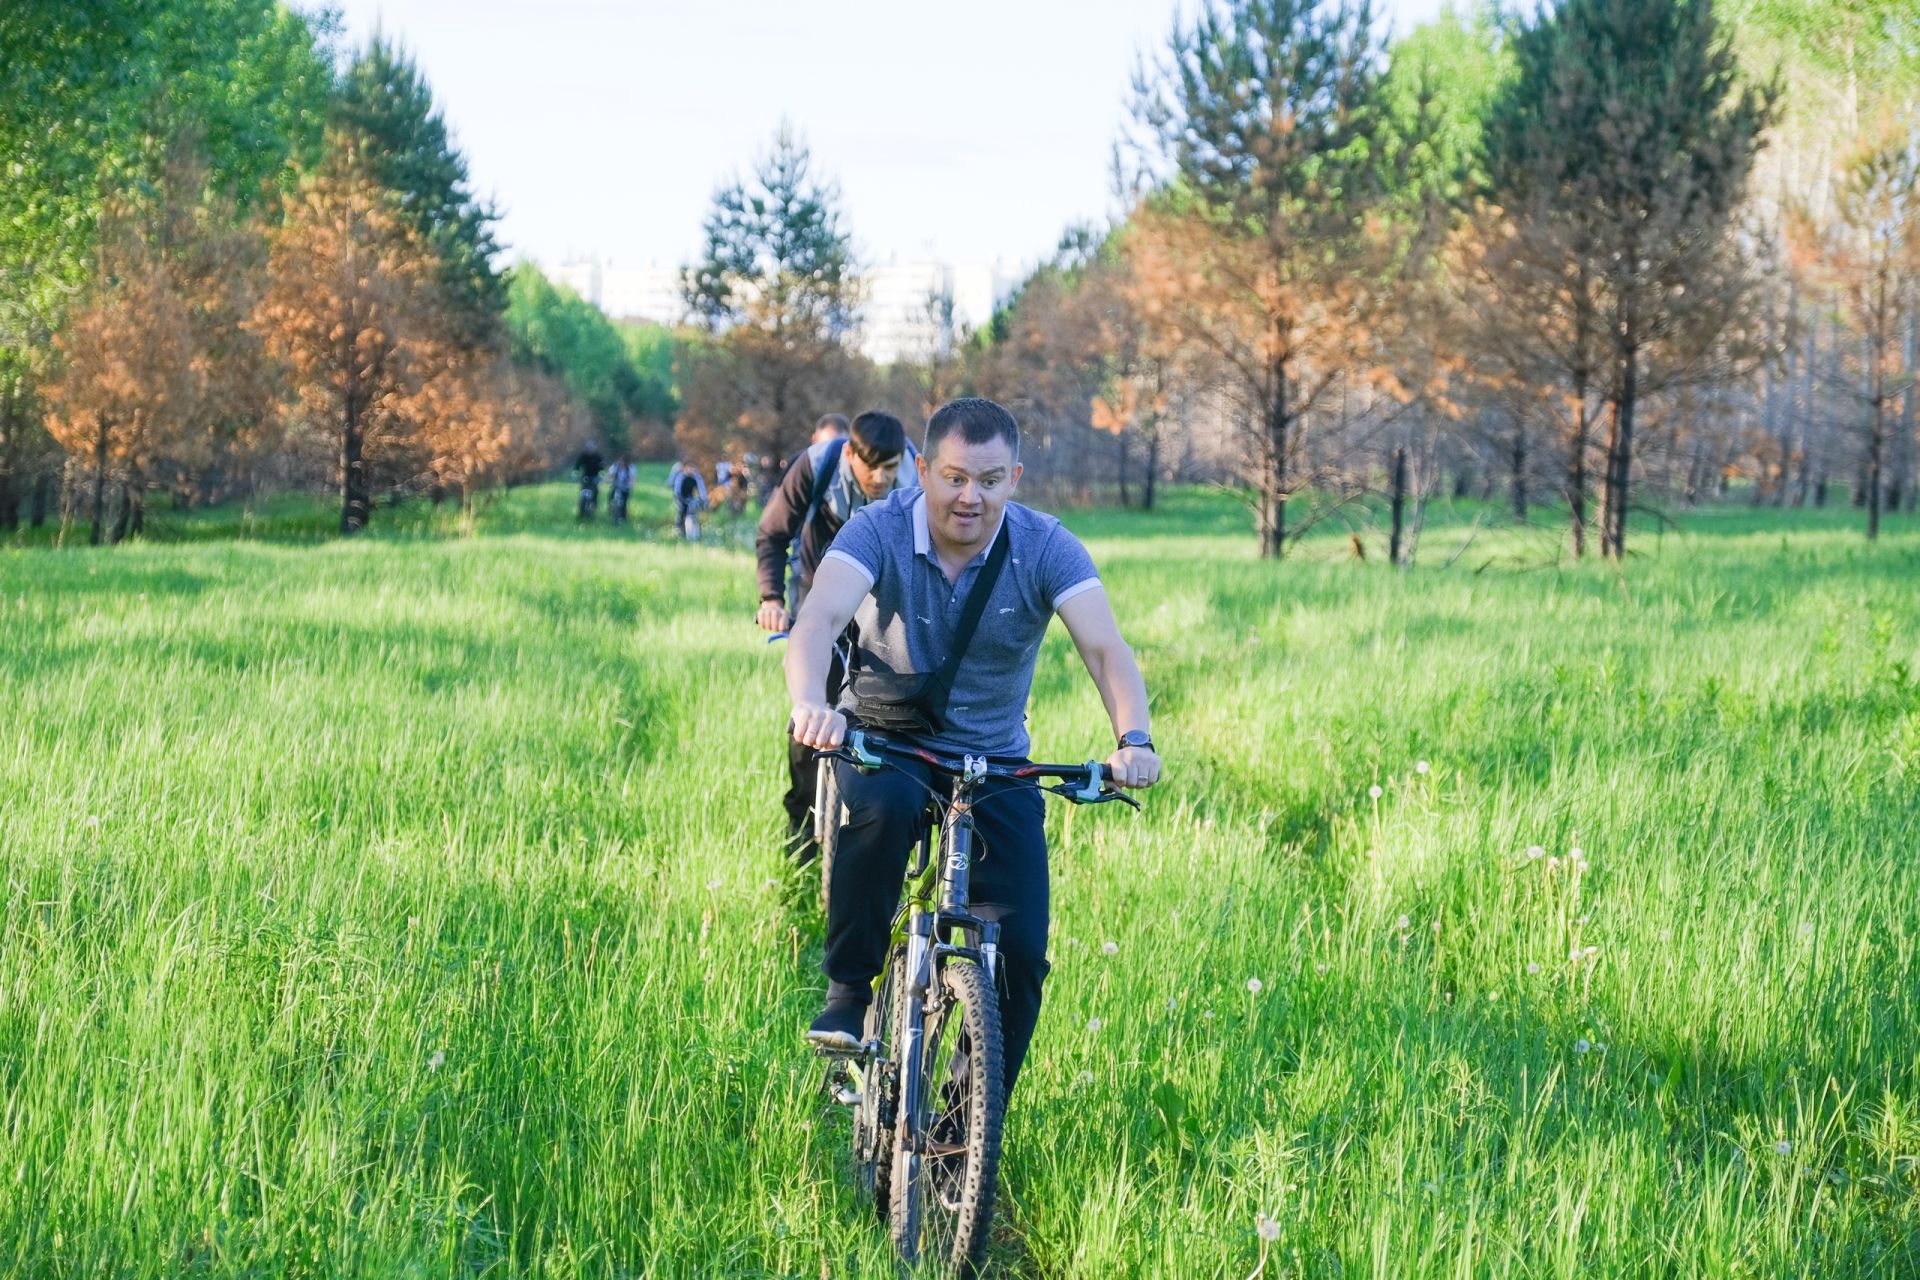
(1135, 738)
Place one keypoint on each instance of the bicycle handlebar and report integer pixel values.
(865, 751)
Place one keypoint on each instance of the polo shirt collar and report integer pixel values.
(923, 542)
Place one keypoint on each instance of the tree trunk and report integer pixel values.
(1153, 470)
(1399, 503)
(99, 479)
(1613, 539)
(1519, 458)
(1274, 499)
(1876, 450)
(42, 498)
(122, 518)
(9, 461)
(1577, 467)
(1120, 444)
(354, 498)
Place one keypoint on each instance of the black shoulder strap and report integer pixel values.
(970, 616)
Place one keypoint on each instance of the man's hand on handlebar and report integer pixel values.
(773, 616)
(1134, 767)
(818, 726)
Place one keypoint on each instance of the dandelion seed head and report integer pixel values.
(1402, 922)
(1094, 1024)
(1783, 1148)
(1320, 968)
(1576, 854)
(1254, 985)
(712, 885)
(1268, 1229)
(1582, 1046)
(1109, 948)
(1208, 1015)
(1374, 792)
(1591, 952)
(436, 1060)
(1420, 766)
(1535, 851)
(1084, 1079)
(1533, 966)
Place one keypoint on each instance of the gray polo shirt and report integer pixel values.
(907, 621)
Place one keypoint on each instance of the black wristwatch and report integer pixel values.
(1136, 738)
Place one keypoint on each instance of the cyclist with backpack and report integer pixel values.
(689, 496)
(821, 491)
(620, 488)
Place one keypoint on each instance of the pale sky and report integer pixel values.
(964, 133)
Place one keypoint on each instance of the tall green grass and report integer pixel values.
(410, 906)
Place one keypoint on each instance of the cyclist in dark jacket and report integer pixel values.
(819, 494)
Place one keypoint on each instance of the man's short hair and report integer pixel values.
(976, 420)
(834, 422)
(877, 438)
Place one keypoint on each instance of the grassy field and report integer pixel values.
(409, 906)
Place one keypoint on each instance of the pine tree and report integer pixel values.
(775, 284)
(1623, 144)
(1257, 128)
(387, 107)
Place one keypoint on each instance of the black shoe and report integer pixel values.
(838, 1028)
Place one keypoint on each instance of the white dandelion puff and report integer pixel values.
(1320, 968)
(712, 885)
(1533, 966)
(1401, 923)
(1534, 852)
(1207, 1015)
(1094, 1024)
(1268, 1229)
(1581, 1046)
(1783, 1148)
(436, 1061)
(1374, 792)
(1254, 985)
(1109, 948)
(1421, 766)
(1084, 1078)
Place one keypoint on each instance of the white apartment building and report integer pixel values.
(908, 310)
(650, 292)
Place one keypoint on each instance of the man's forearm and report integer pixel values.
(809, 654)
(1122, 689)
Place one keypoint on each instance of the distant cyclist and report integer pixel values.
(588, 466)
(619, 488)
(821, 491)
(689, 496)
(832, 426)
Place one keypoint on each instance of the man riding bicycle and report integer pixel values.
(823, 488)
(902, 571)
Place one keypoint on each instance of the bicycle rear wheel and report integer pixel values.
(947, 1154)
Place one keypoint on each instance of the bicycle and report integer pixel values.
(926, 1087)
(589, 500)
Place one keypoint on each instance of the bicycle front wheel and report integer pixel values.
(948, 1151)
(876, 1115)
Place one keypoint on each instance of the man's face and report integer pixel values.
(967, 487)
(874, 479)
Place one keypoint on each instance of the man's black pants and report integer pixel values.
(885, 816)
